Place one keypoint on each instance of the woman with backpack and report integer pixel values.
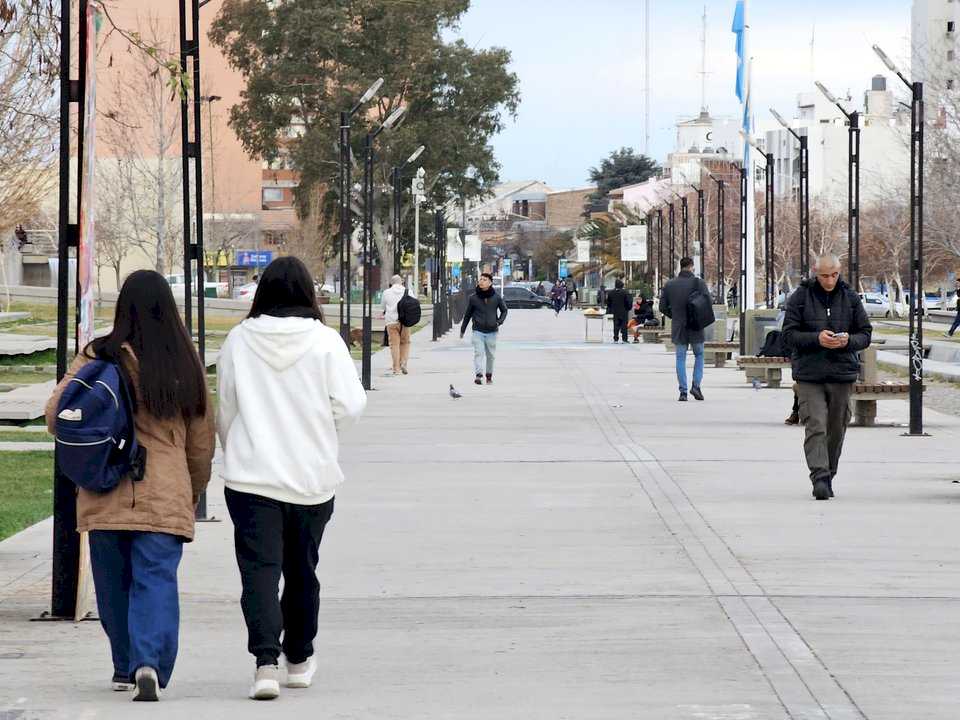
(137, 528)
(286, 383)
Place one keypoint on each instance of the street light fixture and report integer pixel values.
(803, 199)
(346, 218)
(396, 175)
(769, 238)
(367, 298)
(853, 185)
(916, 243)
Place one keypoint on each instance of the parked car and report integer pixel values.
(246, 292)
(876, 305)
(210, 288)
(519, 297)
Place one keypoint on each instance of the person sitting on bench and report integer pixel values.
(642, 316)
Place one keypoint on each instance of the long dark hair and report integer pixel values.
(286, 290)
(172, 378)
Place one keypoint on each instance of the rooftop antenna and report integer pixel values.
(646, 70)
(703, 63)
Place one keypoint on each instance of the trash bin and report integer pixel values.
(210, 292)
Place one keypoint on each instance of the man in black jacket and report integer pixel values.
(673, 303)
(825, 327)
(618, 305)
(488, 311)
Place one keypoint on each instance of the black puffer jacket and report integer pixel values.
(486, 309)
(809, 311)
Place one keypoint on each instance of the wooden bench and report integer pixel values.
(770, 369)
(866, 395)
(720, 350)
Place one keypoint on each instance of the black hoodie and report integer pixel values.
(487, 310)
(812, 309)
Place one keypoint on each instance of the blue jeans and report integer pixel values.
(135, 574)
(682, 365)
(484, 348)
(956, 324)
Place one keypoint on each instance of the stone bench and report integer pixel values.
(866, 395)
(720, 350)
(768, 369)
(650, 334)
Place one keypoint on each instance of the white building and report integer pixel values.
(704, 138)
(884, 147)
(934, 43)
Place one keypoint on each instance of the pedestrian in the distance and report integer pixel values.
(286, 385)
(956, 319)
(137, 529)
(674, 301)
(572, 294)
(398, 335)
(825, 327)
(540, 290)
(602, 296)
(559, 296)
(618, 305)
(488, 312)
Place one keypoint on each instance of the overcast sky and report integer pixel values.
(581, 68)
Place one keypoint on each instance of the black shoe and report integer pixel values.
(695, 391)
(683, 397)
(821, 489)
(489, 379)
(792, 419)
(478, 380)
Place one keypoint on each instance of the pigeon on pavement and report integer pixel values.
(453, 393)
(756, 383)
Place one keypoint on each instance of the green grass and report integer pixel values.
(25, 377)
(44, 357)
(14, 436)
(26, 489)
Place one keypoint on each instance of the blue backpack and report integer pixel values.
(95, 437)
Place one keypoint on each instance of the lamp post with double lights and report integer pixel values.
(397, 176)
(367, 304)
(346, 223)
(853, 187)
(720, 237)
(685, 223)
(744, 219)
(770, 281)
(659, 249)
(673, 238)
(803, 194)
(916, 243)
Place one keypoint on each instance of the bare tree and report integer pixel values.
(142, 176)
(28, 108)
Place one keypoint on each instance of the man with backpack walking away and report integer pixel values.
(825, 327)
(399, 309)
(618, 305)
(488, 312)
(686, 301)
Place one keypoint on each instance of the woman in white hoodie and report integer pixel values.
(285, 382)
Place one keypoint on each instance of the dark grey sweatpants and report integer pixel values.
(825, 410)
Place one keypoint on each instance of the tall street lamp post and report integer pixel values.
(720, 237)
(659, 249)
(367, 304)
(673, 239)
(803, 195)
(770, 292)
(685, 224)
(345, 212)
(744, 219)
(397, 175)
(853, 187)
(916, 244)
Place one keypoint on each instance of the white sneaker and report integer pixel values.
(266, 683)
(300, 675)
(148, 685)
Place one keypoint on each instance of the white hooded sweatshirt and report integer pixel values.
(283, 386)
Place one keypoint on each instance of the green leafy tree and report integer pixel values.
(305, 61)
(623, 167)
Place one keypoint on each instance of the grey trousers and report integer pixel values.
(825, 410)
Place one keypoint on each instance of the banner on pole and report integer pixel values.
(506, 268)
(473, 248)
(88, 201)
(454, 246)
(633, 243)
(562, 269)
(583, 251)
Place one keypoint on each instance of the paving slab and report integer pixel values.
(570, 542)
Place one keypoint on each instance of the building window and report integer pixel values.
(949, 84)
(951, 26)
(951, 55)
(272, 195)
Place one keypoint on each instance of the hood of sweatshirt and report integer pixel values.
(280, 342)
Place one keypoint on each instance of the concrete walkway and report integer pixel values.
(570, 542)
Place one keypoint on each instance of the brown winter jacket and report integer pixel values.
(179, 454)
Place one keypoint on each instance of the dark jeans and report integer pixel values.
(274, 538)
(571, 300)
(825, 410)
(135, 574)
(619, 328)
(956, 324)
